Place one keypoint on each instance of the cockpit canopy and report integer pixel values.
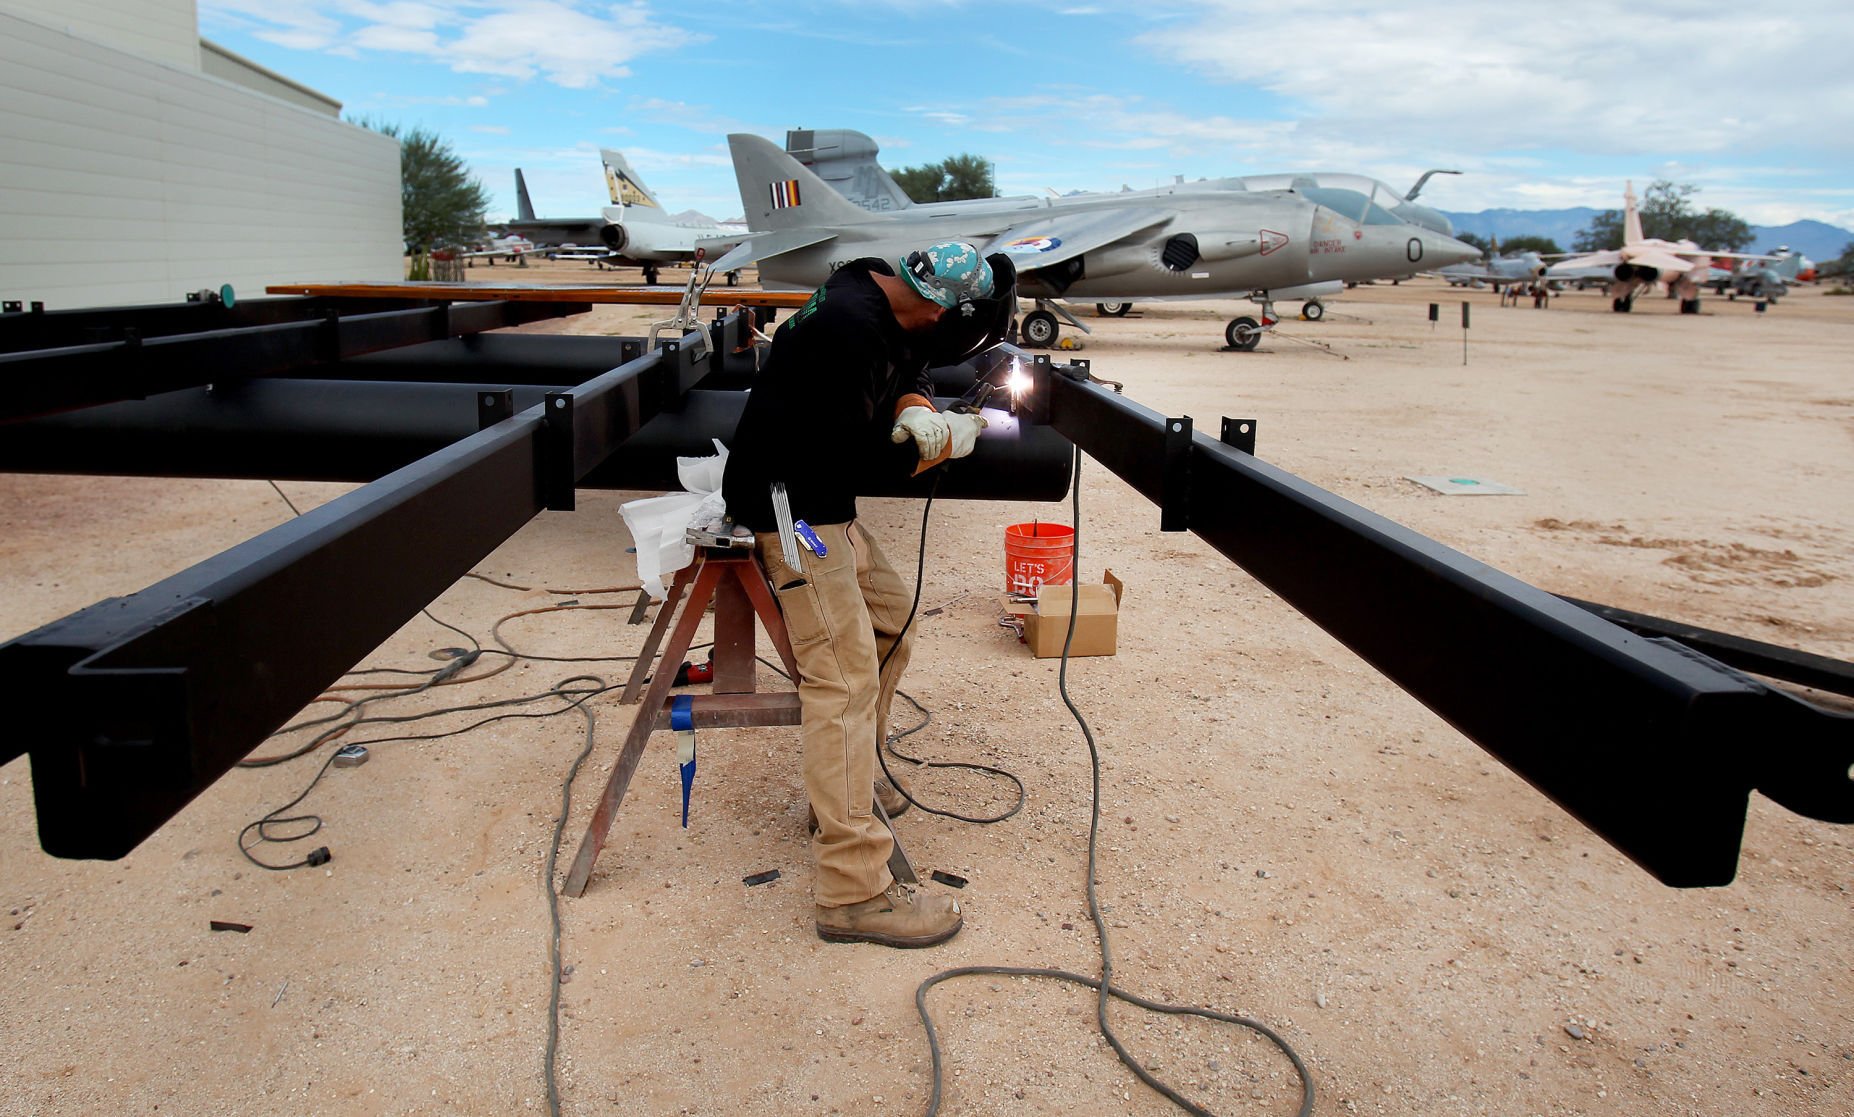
(1355, 197)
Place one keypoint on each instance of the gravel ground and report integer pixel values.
(1284, 833)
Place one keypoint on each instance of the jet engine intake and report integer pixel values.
(1180, 252)
(1640, 272)
(1186, 249)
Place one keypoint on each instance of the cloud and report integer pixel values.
(681, 114)
(569, 43)
(1582, 75)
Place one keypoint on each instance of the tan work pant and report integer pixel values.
(844, 612)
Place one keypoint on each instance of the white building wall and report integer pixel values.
(219, 62)
(127, 180)
(164, 30)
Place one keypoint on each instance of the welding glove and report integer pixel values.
(927, 427)
(964, 426)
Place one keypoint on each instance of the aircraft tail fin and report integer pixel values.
(846, 161)
(626, 188)
(524, 209)
(778, 192)
(1631, 217)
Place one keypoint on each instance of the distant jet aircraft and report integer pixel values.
(846, 160)
(633, 230)
(1171, 242)
(551, 232)
(1523, 267)
(638, 231)
(511, 247)
(1764, 278)
(1643, 261)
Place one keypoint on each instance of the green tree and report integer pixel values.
(440, 202)
(1841, 270)
(1667, 213)
(1544, 246)
(954, 178)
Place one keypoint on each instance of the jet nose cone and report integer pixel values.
(1440, 251)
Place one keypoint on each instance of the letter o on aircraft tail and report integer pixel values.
(1414, 250)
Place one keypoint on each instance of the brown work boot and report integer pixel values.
(899, 916)
(892, 800)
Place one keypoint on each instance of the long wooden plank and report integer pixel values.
(534, 292)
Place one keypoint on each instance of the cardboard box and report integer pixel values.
(1046, 620)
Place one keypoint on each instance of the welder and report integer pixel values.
(844, 393)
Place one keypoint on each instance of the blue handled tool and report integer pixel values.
(682, 720)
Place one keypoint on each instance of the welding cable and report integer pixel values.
(351, 709)
(1103, 986)
(265, 827)
(495, 633)
(920, 573)
(551, 1054)
(927, 716)
(544, 589)
(277, 818)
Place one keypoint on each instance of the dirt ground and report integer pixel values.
(1284, 833)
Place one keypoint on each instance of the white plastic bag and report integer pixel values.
(657, 522)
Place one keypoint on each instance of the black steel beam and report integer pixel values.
(356, 431)
(1655, 747)
(1770, 660)
(129, 366)
(134, 706)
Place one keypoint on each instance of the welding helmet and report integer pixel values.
(981, 312)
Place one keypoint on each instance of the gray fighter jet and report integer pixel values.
(1523, 268)
(1187, 240)
(633, 230)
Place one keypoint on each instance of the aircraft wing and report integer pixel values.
(592, 255)
(1662, 260)
(1482, 275)
(1608, 259)
(1051, 240)
(762, 246)
(1740, 256)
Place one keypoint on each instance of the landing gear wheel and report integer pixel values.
(650, 275)
(1112, 310)
(1243, 334)
(1689, 306)
(1039, 330)
(1312, 311)
(1622, 306)
(733, 279)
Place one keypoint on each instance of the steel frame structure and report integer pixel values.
(1652, 744)
(132, 707)
(139, 703)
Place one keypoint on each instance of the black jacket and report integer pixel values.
(819, 415)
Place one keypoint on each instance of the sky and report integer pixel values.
(1541, 105)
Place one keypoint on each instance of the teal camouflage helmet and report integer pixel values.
(948, 273)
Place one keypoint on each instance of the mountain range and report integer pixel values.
(1815, 239)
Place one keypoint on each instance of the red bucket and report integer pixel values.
(1037, 554)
